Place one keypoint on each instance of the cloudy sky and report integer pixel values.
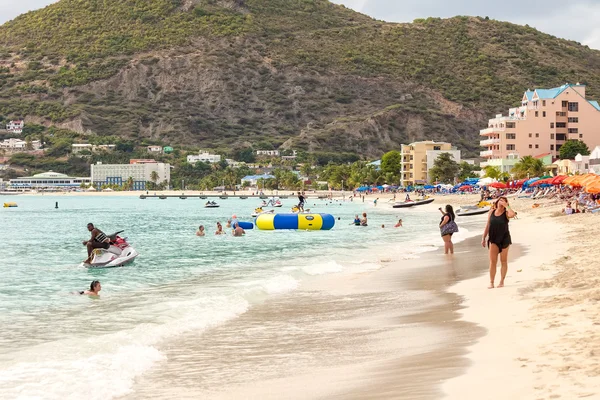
(574, 19)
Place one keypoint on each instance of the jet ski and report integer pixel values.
(296, 210)
(211, 204)
(118, 254)
(258, 211)
(278, 204)
(469, 211)
(411, 203)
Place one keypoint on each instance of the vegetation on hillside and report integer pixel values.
(262, 72)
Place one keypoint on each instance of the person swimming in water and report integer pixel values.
(220, 230)
(363, 221)
(238, 230)
(95, 288)
(356, 220)
(399, 224)
(200, 231)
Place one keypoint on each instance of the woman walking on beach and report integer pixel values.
(447, 228)
(499, 238)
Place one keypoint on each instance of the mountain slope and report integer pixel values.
(262, 73)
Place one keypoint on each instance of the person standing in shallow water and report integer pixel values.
(447, 228)
(499, 239)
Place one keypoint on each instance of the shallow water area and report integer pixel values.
(54, 344)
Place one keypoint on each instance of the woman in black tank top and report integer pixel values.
(497, 237)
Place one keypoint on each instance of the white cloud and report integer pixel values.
(9, 9)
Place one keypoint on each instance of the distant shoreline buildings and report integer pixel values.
(546, 119)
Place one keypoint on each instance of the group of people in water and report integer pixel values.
(233, 223)
(358, 221)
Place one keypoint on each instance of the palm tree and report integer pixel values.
(154, 178)
(492, 172)
(528, 166)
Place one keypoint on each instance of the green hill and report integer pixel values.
(266, 73)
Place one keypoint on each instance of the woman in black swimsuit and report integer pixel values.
(499, 238)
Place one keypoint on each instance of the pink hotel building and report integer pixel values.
(544, 121)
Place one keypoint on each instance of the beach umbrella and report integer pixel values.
(546, 181)
(429, 187)
(569, 179)
(485, 181)
(498, 185)
(528, 182)
(557, 180)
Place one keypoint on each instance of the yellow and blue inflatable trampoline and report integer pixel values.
(315, 222)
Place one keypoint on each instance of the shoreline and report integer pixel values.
(540, 340)
(376, 338)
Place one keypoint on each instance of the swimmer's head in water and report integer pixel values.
(95, 284)
(90, 227)
(201, 228)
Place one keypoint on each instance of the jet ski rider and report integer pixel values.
(98, 241)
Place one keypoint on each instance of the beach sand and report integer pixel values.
(543, 328)
(389, 333)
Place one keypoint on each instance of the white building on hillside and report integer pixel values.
(204, 156)
(267, 153)
(118, 174)
(15, 126)
(80, 147)
(155, 149)
(18, 144)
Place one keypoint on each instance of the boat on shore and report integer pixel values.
(405, 204)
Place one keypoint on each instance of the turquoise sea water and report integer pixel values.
(54, 344)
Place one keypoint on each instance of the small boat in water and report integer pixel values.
(211, 204)
(405, 204)
(224, 197)
(243, 197)
(470, 211)
(162, 197)
(10, 205)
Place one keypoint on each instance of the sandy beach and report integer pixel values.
(542, 329)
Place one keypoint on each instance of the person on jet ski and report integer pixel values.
(98, 241)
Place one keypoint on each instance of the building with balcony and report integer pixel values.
(544, 121)
(119, 174)
(418, 158)
(15, 126)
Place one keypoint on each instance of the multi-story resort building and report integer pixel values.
(139, 172)
(418, 159)
(546, 119)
